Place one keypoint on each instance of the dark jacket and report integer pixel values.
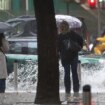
(68, 56)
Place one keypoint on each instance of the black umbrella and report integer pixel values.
(5, 27)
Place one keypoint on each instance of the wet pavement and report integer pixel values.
(27, 98)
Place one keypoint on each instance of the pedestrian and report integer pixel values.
(4, 47)
(69, 58)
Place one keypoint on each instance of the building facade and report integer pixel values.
(22, 7)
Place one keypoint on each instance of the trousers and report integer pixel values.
(71, 68)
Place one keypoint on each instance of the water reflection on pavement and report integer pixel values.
(27, 98)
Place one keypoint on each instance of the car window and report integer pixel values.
(17, 47)
(22, 27)
(33, 28)
(32, 48)
(18, 28)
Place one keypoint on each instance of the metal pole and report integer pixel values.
(99, 19)
(15, 75)
(27, 7)
(86, 95)
(79, 71)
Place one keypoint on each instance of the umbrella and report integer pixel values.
(73, 21)
(5, 26)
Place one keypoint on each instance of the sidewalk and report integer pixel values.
(27, 98)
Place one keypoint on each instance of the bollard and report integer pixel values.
(15, 75)
(86, 95)
(79, 71)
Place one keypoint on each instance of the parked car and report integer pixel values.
(26, 25)
(23, 39)
(25, 49)
(21, 50)
(92, 61)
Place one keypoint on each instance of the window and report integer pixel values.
(32, 48)
(102, 4)
(33, 27)
(5, 4)
(17, 30)
(17, 47)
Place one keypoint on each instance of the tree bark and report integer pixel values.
(48, 66)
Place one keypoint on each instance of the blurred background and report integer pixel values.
(92, 11)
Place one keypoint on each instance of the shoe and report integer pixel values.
(76, 94)
(1, 98)
(76, 97)
(70, 99)
(67, 96)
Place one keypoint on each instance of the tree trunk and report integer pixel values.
(48, 66)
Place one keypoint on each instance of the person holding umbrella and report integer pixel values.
(69, 58)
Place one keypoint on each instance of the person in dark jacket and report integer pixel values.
(69, 58)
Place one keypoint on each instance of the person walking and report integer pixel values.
(69, 58)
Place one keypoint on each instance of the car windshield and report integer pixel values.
(22, 28)
(23, 47)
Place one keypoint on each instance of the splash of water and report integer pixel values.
(27, 77)
(94, 76)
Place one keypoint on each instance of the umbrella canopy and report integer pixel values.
(5, 26)
(72, 21)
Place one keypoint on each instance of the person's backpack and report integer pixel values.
(71, 45)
